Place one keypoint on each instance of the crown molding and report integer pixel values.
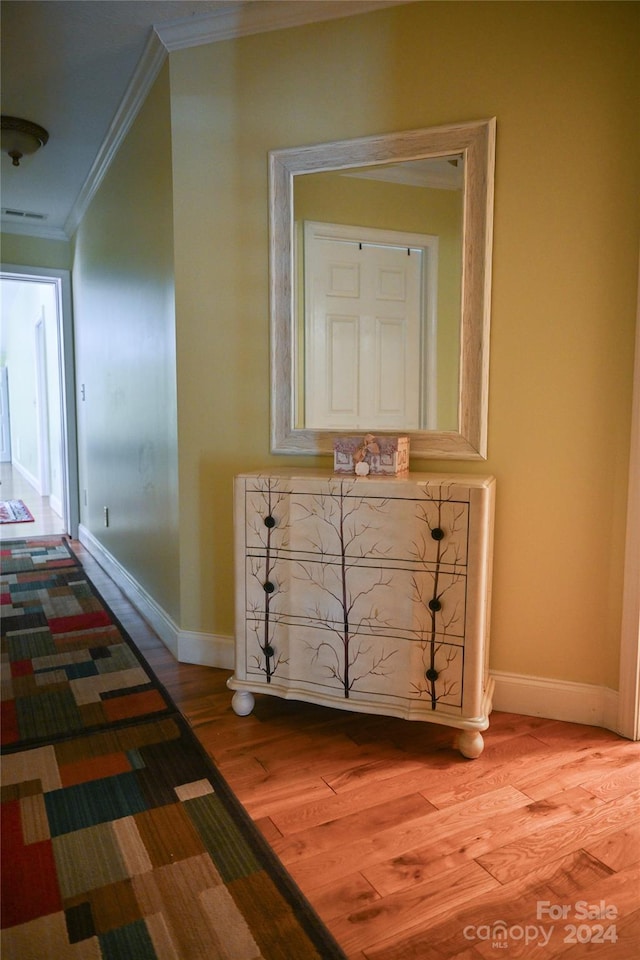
(39, 230)
(243, 19)
(229, 21)
(143, 78)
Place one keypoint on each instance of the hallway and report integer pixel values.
(15, 487)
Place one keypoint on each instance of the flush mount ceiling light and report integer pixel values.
(21, 137)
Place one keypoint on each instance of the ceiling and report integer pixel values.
(81, 69)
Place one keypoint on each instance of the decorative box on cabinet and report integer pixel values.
(369, 594)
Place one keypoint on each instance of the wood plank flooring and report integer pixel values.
(410, 852)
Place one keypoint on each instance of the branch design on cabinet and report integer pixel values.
(272, 533)
(343, 524)
(442, 521)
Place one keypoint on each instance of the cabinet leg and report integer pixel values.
(243, 702)
(470, 743)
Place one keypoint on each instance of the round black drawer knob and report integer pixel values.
(435, 604)
(431, 674)
(437, 533)
(268, 650)
(269, 587)
(269, 522)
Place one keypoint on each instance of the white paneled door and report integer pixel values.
(364, 354)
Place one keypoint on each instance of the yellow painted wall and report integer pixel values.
(125, 357)
(562, 80)
(35, 252)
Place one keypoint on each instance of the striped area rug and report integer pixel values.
(15, 511)
(120, 838)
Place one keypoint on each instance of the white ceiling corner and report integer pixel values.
(95, 66)
(145, 74)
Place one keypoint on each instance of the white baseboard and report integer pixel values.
(514, 693)
(186, 646)
(556, 699)
(146, 606)
(56, 505)
(27, 475)
(208, 649)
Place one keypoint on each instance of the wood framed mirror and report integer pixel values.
(404, 178)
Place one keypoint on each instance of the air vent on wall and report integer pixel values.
(23, 214)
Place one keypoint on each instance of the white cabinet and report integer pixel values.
(369, 594)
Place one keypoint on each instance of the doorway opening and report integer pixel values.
(39, 446)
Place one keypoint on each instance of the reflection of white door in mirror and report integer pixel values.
(297, 179)
(369, 304)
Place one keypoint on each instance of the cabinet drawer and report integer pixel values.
(386, 601)
(424, 676)
(336, 519)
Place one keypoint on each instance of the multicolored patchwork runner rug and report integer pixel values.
(69, 666)
(44, 553)
(120, 838)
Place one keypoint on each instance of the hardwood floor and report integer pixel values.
(409, 852)
(13, 486)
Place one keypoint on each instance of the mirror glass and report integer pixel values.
(380, 272)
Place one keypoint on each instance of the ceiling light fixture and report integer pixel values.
(21, 137)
